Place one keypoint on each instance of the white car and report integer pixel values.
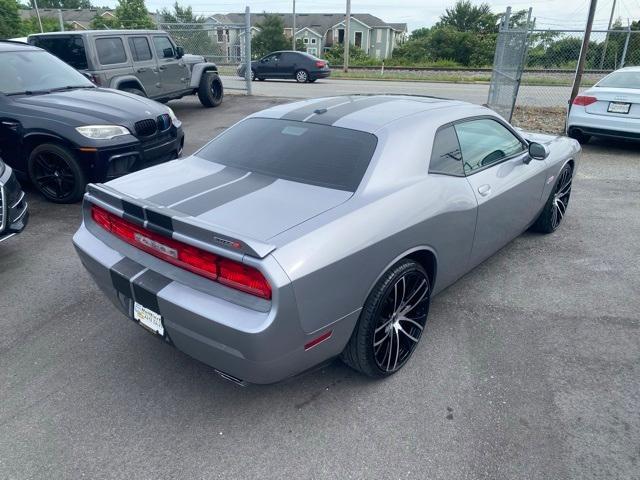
(611, 108)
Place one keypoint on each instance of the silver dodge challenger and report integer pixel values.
(319, 229)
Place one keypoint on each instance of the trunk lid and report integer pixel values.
(607, 96)
(244, 204)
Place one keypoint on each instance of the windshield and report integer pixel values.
(37, 72)
(621, 79)
(320, 155)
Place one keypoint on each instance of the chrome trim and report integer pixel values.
(17, 201)
(22, 213)
(2, 239)
(3, 208)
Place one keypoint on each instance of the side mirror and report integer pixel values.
(537, 151)
(179, 52)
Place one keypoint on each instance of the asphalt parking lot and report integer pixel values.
(529, 367)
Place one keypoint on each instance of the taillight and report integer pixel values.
(584, 100)
(223, 270)
(320, 64)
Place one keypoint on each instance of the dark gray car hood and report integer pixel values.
(89, 106)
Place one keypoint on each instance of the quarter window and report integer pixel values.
(446, 158)
(140, 49)
(484, 142)
(110, 51)
(164, 47)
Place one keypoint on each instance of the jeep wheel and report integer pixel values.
(210, 91)
(135, 91)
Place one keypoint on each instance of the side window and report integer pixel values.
(140, 49)
(164, 47)
(110, 51)
(446, 158)
(484, 142)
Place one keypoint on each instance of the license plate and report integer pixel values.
(148, 318)
(619, 107)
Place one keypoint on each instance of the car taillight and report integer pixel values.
(321, 64)
(584, 100)
(214, 267)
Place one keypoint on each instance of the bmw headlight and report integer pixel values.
(172, 115)
(102, 132)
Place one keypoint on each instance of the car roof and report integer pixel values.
(9, 46)
(366, 112)
(86, 33)
(629, 69)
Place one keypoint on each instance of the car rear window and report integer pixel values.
(621, 80)
(303, 152)
(110, 51)
(68, 48)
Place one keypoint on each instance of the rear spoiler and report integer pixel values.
(173, 224)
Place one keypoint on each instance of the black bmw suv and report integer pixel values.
(60, 131)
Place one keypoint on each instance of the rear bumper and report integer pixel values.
(320, 74)
(112, 162)
(603, 125)
(262, 345)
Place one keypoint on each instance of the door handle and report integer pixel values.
(142, 70)
(484, 190)
(162, 68)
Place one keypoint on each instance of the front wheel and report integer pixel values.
(556, 207)
(302, 76)
(56, 173)
(391, 322)
(210, 91)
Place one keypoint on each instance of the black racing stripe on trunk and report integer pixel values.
(146, 288)
(135, 211)
(121, 274)
(333, 115)
(133, 219)
(303, 112)
(186, 190)
(215, 198)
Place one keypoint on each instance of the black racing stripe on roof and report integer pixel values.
(216, 198)
(186, 190)
(146, 288)
(121, 274)
(301, 113)
(332, 115)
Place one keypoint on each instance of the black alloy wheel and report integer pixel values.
(56, 174)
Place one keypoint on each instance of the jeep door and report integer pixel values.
(145, 67)
(174, 73)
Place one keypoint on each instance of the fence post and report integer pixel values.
(247, 49)
(158, 20)
(626, 46)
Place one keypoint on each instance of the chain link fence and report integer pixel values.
(223, 44)
(534, 70)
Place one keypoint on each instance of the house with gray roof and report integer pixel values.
(321, 31)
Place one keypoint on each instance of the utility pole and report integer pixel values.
(35, 5)
(583, 52)
(606, 39)
(293, 28)
(61, 20)
(347, 36)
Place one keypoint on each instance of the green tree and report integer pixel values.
(31, 25)
(270, 37)
(10, 24)
(128, 14)
(467, 17)
(357, 56)
(187, 30)
(72, 4)
(300, 46)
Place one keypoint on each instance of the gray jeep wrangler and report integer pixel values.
(144, 62)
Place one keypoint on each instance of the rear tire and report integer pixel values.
(210, 91)
(556, 207)
(391, 321)
(56, 174)
(302, 76)
(135, 91)
(581, 137)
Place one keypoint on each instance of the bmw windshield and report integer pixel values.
(35, 72)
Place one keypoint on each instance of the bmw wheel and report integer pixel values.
(302, 76)
(56, 174)
(391, 322)
(556, 207)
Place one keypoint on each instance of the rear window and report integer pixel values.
(320, 155)
(69, 49)
(110, 51)
(621, 80)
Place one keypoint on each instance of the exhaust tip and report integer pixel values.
(231, 378)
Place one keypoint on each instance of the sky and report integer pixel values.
(562, 14)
